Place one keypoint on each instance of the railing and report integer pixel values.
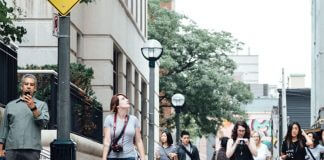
(8, 74)
(86, 120)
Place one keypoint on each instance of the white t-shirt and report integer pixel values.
(263, 152)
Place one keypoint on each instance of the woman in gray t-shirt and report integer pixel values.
(166, 151)
(315, 149)
(114, 124)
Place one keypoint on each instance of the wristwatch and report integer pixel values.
(33, 109)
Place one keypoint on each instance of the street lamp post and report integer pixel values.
(151, 51)
(177, 101)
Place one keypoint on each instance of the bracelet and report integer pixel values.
(33, 109)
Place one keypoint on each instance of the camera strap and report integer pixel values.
(115, 140)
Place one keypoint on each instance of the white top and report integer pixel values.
(316, 152)
(263, 152)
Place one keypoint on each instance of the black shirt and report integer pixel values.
(242, 152)
(294, 151)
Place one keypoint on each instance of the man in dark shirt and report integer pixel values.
(186, 150)
(22, 122)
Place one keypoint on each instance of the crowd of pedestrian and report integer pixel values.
(122, 135)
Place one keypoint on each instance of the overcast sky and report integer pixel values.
(279, 31)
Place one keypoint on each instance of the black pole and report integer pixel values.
(151, 111)
(63, 148)
(177, 108)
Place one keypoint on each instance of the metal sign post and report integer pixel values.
(63, 148)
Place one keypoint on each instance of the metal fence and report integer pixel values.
(8, 74)
(86, 119)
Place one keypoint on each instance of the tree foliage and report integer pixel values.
(8, 30)
(195, 63)
(79, 75)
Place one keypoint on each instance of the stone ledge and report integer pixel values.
(83, 145)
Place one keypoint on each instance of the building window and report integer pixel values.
(136, 93)
(141, 15)
(129, 85)
(126, 2)
(136, 10)
(115, 70)
(132, 7)
(145, 18)
(144, 117)
(78, 51)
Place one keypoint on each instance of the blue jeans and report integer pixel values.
(130, 158)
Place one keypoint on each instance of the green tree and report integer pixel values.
(8, 30)
(195, 63)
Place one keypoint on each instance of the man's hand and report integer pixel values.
(29, 100)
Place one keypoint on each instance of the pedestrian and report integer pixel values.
(22, 123)
(186, 150)
(293, 146)
(221, 154)
(241, 146)
(121, 131)
(262, 149)
(314, 150)
(166, 150)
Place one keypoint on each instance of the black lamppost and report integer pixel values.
(177, 102)
(151, 51)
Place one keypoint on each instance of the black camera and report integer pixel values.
(242, 142)
(117, 148)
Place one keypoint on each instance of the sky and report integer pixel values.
(279, 31)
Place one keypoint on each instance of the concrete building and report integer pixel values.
(247, 69)
(317, 92)
(296, 81)
(106, 35)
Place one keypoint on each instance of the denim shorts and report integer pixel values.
(130, 158)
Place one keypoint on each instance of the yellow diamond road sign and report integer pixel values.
(64, 6)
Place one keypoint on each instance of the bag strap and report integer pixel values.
(310, 153)
(189, 154)
(115, 140)
(165, 152)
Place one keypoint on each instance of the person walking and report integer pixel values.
(22, 123)
(186, 150)
(166, 150)
(241, 146)
(262, 149)
(314, 150)
(221, 154)
(120, 132)
(293, 147)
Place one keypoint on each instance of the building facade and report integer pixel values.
(106, 35)
(317, 91)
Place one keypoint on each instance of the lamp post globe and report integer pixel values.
(177, 101)
(152, 51)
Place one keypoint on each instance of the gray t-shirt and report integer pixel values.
(316, 152)
(164, 152)
(127, 140)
